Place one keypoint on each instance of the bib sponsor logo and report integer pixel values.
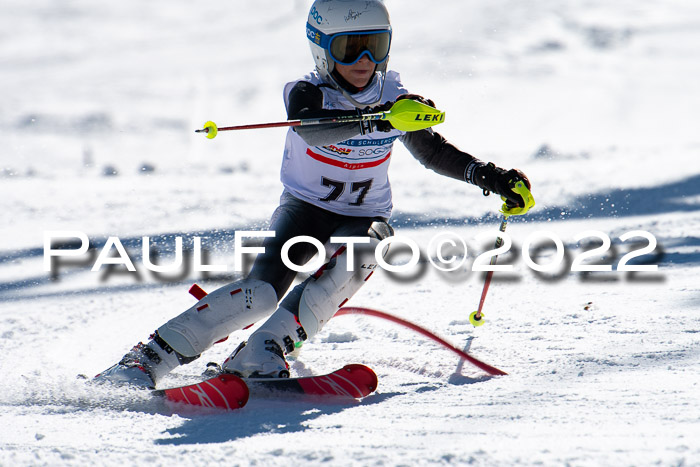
(374, 151)
(368, 142)
(337, 150)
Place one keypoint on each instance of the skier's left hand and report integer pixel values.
(513, 186)
(518, 199)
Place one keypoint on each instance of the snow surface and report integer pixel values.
(596, 101)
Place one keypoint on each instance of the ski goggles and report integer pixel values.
(347, 48)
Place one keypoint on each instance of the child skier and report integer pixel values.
(335, 185)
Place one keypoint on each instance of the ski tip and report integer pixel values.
(363, 375)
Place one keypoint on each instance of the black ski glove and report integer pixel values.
(416, 97)
(376, 125)
(385, 125)
(500, 181)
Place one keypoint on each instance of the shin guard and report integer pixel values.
(335, 283)
(217, 315)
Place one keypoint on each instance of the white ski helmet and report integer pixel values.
(343, 31)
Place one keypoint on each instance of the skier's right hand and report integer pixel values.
(380, 125)
(385, 125)
(417, 98)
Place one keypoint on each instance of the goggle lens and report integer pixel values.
(347, 49)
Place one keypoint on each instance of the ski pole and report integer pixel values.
(508, 209)
(404, 115)
(476, 317)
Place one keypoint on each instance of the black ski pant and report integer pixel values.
(293, 218)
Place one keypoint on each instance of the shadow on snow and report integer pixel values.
(260, 416)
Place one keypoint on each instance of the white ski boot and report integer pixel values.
(260, 357)
(143, 365)
(263, 355)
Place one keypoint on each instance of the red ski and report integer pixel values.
(230, 392)
(352, 381)
(224, 391)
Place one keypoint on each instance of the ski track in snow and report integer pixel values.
(596, 102)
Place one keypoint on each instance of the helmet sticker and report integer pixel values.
(316, 15)
(352, 15)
